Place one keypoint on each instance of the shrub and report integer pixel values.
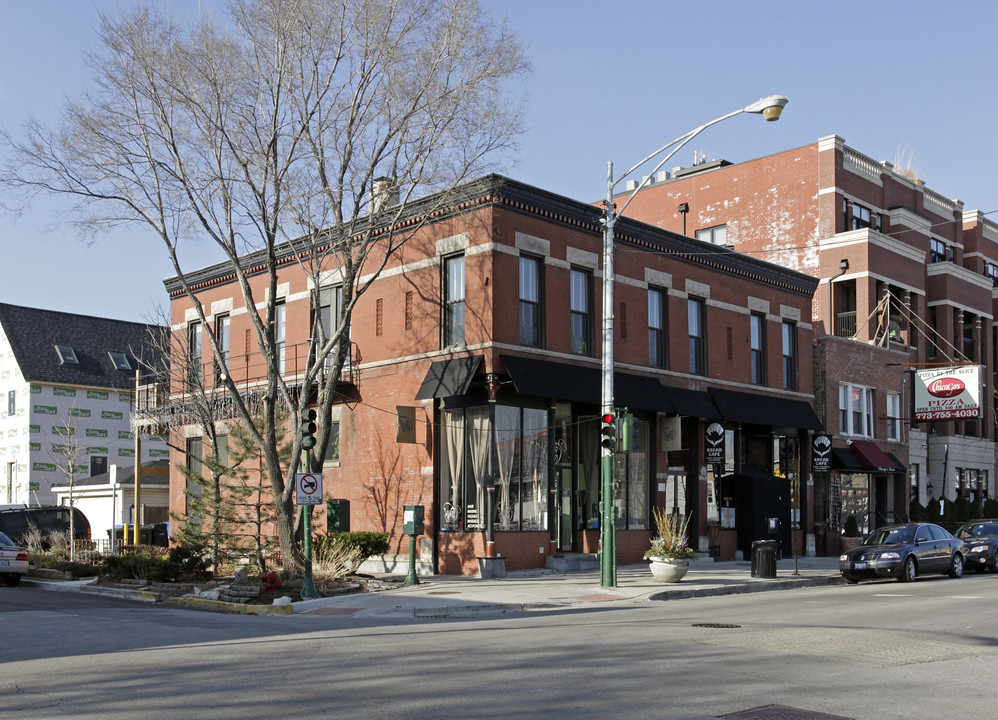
(850, 528)
(962, 510)
(335, 559)
(358, 546)
(54, 562)
(932, 510)
(991, 508)
(916, 513)
(141, 562)
(367, 544)
(189, 558)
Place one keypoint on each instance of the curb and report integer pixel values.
(227, 607)
(762, 586)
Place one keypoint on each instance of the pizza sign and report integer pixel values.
(951, 393)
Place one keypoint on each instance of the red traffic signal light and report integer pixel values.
(609, 432)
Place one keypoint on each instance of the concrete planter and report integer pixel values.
(668, 570)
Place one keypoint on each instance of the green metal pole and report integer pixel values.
(608, 524)
(308, 590)
(410, 578)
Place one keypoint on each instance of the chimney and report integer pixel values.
(384, 193)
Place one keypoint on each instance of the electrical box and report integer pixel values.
(412, 520)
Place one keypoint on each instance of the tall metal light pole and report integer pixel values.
(770, 107)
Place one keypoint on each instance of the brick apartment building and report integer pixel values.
(908, 282)
(488, 319)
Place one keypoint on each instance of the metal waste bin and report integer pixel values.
(764, 559)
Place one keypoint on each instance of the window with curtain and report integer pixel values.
(757, 333)
(521, 472)
(581, 309)
(330, 315)
(657, 356)
(893, 416)
(630, 480)
(280, 329)
(855, 410)
(222, 339)
(789, 355)
(530, 301)
(697, 333)
(453, 300)
(194, 355)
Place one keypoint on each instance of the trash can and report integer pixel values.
(764, 559)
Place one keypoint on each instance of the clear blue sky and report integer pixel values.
(608, 84)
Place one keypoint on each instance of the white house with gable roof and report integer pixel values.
(66, 383)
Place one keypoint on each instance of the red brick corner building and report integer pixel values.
(485, 329)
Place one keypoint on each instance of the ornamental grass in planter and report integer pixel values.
(669, 553)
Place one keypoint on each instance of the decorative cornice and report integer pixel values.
(518, 197)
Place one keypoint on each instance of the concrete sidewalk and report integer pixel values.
(463, 596)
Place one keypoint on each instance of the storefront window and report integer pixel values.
(521, 472)
(630, 481)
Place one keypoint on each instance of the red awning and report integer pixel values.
(875, 458)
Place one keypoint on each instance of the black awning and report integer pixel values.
(543, 378)
(447, 378)
(583, 384)
(765, 410)
(844, 460)
(639, 392)
(692, 403)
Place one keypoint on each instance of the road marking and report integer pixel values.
(965, 597)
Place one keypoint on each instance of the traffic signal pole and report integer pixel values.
(608, 514)
(608, 520)
(308, 589)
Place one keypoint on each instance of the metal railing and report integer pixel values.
(845, 324)
(175, 401)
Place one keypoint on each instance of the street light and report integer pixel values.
(770, 108)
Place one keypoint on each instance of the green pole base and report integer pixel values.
(308, 590)
(410, 578)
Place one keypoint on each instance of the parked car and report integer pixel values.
(981, 537)
(13, 561)
(16, 523)
(904, 552)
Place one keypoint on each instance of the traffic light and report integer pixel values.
(609, 432)
(308, 428)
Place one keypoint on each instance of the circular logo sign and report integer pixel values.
(946, 387)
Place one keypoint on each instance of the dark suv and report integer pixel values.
(16, 523)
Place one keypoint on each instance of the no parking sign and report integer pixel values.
(308, 488)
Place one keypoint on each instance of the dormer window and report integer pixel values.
(67, 356)
(120, 360)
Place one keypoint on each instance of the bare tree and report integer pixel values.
(292, 128)
(69, 457)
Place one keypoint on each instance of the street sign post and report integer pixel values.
(308, 492)
(308, 489)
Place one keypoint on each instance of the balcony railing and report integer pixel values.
(187, 397)
(845, 324)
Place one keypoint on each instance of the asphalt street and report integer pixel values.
(874, 650)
